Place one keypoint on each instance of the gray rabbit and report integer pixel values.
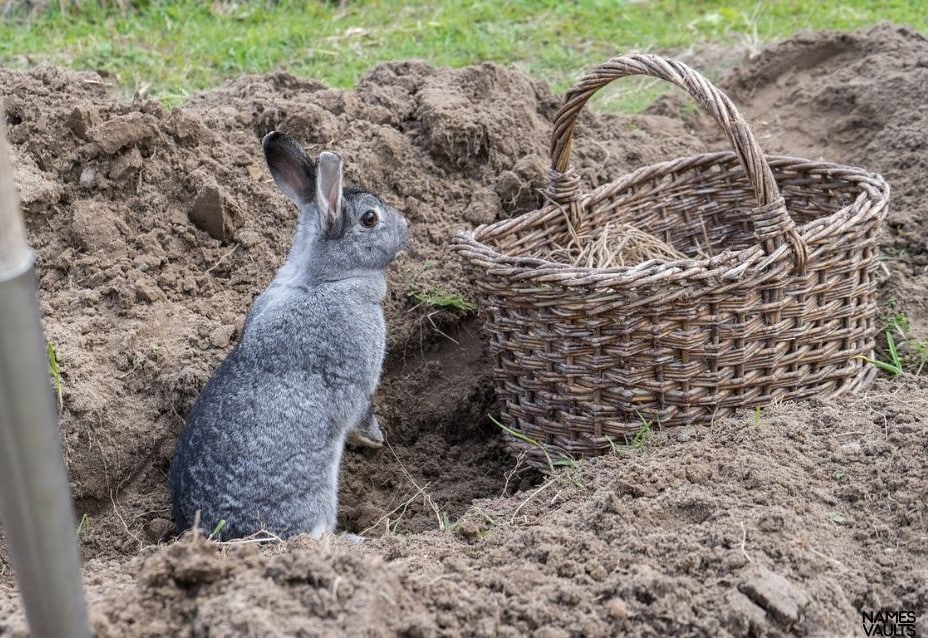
(262, 446)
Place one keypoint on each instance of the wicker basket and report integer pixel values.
(774, 302)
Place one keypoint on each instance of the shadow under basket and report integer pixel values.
(774, 301)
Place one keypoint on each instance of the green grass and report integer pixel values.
(216, 530)
(893, 366)
(641, 436)
(82, 525)
(55, 372)
(441, 300)
(903, 353)
(171, 49)
(563, 460)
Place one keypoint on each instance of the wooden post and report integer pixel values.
(36, 512)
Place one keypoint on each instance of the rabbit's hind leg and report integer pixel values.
(367, 432)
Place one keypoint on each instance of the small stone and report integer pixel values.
(256, 173)
(221, 336)
(851, 448)
(617, 609)
(781, 598)
(88, 177)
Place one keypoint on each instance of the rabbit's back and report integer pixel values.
(335, 330)
(266, 434)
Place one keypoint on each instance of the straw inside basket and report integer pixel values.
(611, 245)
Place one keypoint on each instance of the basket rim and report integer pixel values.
(729, 264)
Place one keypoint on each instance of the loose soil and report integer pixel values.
(154, 230)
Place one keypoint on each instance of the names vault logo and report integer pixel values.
(889, 623)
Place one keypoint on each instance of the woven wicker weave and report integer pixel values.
(776, 301)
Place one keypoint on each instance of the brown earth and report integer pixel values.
(154, 230)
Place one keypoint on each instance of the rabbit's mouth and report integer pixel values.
(387, 256)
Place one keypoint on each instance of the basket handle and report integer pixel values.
(772, 223)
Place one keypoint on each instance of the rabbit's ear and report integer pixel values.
(329, 190)
(291, 169)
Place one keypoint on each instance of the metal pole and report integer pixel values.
(36, 513)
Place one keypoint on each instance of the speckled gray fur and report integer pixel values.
(262, 445)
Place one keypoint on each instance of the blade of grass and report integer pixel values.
(565, 460)
(55, 372)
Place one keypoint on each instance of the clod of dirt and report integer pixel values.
(32, 184)
(744, 617)
(97, 227)
(121, 131)
(781, 598)
(82, 120)
(186, 565)
(213, 212)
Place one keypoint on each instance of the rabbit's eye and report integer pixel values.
(369, 218)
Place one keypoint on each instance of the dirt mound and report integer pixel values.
(155, 230)
(856, 98)
(786, 523)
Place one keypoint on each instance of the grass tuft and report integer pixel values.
(444, 301)
(564, 459)
(903, 353)
(82, 525)
(641, 436)
(55, 372)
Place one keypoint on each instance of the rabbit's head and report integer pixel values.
(343, 231)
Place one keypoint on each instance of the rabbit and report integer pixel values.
(262, 445)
